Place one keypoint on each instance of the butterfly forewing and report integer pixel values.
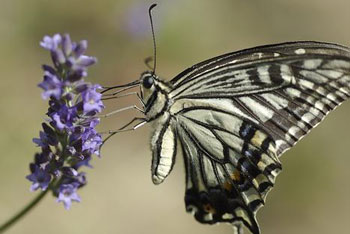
(236, 113)
(286, 88)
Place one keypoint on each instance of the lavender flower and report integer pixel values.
(92, 100)
(40, 178)
(67, 194)
(52, 86)
(68, 139)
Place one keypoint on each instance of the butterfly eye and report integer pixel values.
(148, 82)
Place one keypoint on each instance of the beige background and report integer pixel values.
(312, 193)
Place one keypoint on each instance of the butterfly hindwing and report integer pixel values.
(230, 166)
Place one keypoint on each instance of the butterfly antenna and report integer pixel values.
(128, 85)
(154, 38)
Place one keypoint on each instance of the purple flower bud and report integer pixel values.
(91, 141)
(58, 57)
(92, 100)
(51, 43)
(80, 48)
(39, 177)
(85, 162)
(81, 179)
(67, 194)
(91, 122)
(39, 158)
(76, 75)
(49, 69)
(43, 158)
(42, 141)
(69, 171)
(64, 117)
(50, 134)
(52, 86)
(85, 61)
(67, 46)
(81, 87)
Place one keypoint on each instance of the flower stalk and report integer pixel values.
(23, 211)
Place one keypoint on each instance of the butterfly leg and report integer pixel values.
(111, 96)
(116, 92)
(143, 121)
(123, 109)
(140, 99)
(123, 129)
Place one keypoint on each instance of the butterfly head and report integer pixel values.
(153, 93)
(148, 79)
(148, 83)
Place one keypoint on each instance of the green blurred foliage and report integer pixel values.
(311, 194)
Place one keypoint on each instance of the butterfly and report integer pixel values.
(234, 115)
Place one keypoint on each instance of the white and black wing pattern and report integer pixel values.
(235, 114)
(286, 88)
(230, 166)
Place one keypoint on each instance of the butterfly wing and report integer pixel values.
(230, 166)
(235, 114)
(287, 88)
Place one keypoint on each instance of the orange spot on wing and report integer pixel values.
(208, 208)
(236, 176)
(228, 186)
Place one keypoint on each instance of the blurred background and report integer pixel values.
(311, 194)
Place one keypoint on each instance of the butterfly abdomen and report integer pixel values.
(163, 145)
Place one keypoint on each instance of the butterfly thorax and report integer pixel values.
(154, 94)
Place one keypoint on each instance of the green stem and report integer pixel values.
(24, 211)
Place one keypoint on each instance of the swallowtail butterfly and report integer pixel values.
(234, 115)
